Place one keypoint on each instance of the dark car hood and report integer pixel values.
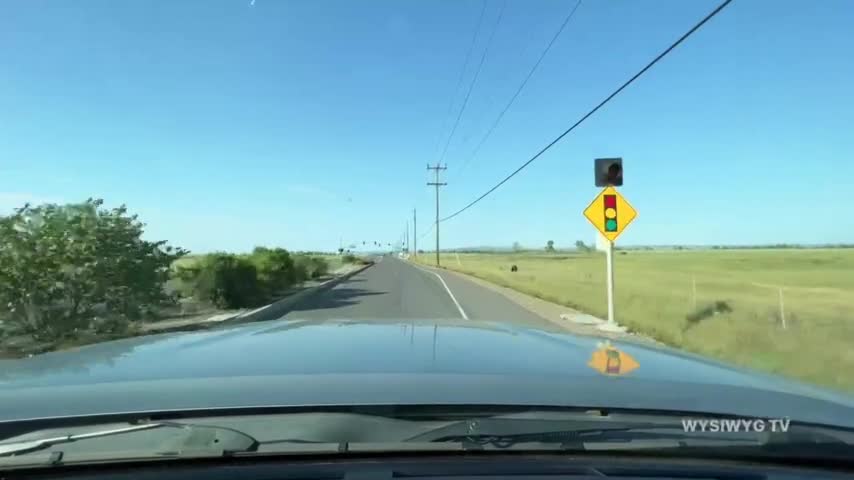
(381, 362)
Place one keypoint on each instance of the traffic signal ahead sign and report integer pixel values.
(610, 213)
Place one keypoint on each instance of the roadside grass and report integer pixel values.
(735, 315)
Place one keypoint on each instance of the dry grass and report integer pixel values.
(654, 295)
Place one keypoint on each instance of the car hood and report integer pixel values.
(341, 362)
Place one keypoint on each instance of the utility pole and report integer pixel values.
(414, 233)
(406, 236)
(437, 184)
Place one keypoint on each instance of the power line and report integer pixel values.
(462, 74)
(473, 81)
(432, 225)
(595, 109)
(522, 86)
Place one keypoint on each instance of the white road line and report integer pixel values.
(450, 293)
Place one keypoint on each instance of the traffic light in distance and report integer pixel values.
(608, 172)
(610, 210)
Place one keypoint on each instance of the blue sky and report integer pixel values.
(227, 124)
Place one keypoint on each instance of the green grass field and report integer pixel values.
(654, 294)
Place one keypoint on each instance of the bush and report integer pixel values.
(308, 267)
(321, 267)
(63, 265)
(706, 311)
(350, 258)
(233, 281)
(228, 281)
(276, 269)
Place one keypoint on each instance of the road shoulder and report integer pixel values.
(565, 318)
(271, 311)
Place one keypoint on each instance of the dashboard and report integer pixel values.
(464, 466)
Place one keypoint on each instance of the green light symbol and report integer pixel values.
(611, 225)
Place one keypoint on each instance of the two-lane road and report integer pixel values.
(397, 289)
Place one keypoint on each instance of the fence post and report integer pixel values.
(694, 292)
(782, 309)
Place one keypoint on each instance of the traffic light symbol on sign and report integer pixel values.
(610, 205)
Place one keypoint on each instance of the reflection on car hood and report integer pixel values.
(378, 362)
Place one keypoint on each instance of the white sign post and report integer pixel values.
(609, 265)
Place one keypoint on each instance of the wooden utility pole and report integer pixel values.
(414, 233)
(437, 184)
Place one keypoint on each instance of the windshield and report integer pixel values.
(560, 204)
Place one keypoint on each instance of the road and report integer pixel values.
(397, 289)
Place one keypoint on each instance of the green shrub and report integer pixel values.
(276, 269)
(63, 265)
(228, 281)
(321, 267)
(350, 258)
(301, 268)
(308, 267)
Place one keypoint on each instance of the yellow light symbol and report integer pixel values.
(610, 213)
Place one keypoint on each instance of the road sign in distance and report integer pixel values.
(608, 172)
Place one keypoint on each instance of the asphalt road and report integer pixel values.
(396, 289)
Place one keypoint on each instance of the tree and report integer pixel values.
(517, 247)
(550, 246)
(68, 267)
(581, 247)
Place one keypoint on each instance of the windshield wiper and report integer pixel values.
(227, 439)
(581, 432)
(622, 433)
(577, 439)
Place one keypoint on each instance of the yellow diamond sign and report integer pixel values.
(610, 361)
(610, 213)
